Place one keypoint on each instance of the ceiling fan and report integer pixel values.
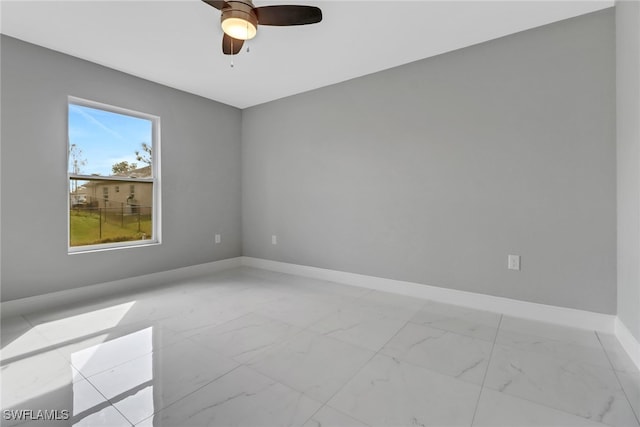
(240, 19)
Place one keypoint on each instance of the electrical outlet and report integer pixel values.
(218, 238)
(513, 262)
(274, 240)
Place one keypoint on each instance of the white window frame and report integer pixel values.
(154, 180)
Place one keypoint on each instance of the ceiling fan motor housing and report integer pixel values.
(240, 10)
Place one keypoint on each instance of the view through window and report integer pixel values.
(112, 168)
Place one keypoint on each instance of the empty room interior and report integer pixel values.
(322, 213)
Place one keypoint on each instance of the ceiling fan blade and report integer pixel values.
(218, 4)
(229, 42)
(283, 15)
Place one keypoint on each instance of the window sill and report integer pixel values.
(76, 250)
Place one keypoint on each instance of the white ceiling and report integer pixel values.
(178, 43)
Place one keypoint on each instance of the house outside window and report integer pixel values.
(109, 147)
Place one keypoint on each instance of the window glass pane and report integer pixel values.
(109, 144)
(98, 214)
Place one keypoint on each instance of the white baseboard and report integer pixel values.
(628, 341)
(529, 310)
(106, 289)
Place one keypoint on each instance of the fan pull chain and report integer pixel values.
(247, 39)
(231, 52)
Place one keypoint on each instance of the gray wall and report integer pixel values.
(628, 134)
(200, 173)
(434, 171)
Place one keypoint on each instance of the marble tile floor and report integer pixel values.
(248, 347)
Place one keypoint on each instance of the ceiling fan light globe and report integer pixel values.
(238, 28)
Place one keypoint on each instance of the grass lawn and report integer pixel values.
(85, 229)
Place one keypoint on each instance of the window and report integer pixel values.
(110, 147)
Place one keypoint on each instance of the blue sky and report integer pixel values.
(105, 138)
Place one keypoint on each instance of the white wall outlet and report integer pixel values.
(218, 238)
(513, 262)
(274, 240)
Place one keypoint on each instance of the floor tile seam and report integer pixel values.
(398, 318)
(217, 352)
(448, 317)
(99, 408)
(583, 350)
(332, 294)
(252, 361)
(59, 310)
(349, 415)
(34, 353)
(555, 408)
(325, 402)
(276, 320)
(26, 319)
(381, 307)
(125, 394)
(84, 378)
(157, 411)
(454, 332)
(57, 347)
(155, 350)
(302, 328)
(326, 405)
(51, 346)
(309, 329)
(354, 298)
(368, 291)
(298, 331)
(572, 342)
(598, 346)
(615, 372)
(342, 285)
(194, 331)
(622, 371)
(379, 351)
(544, 404)
(357, 371)
(561, 359)
(110, 367)
(344, 341)
(150, 322)
(429, 370)
(106, 399)
(314, 413)
(606, 352)
(290, 387)
(486, 372)
(129, 360)
(228, 321)
(21, 330)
